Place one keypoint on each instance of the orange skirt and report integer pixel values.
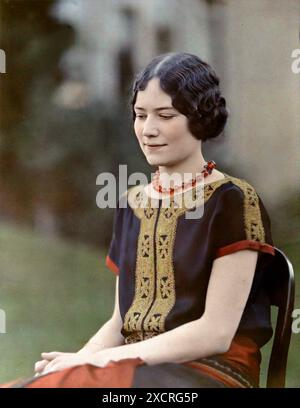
(237, 368)
(135, 373)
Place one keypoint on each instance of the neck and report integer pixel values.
(183, 171)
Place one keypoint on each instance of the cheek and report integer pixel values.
(137, 130)
(181, 139)
(180, 123)
(177, 130)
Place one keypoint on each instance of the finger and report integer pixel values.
(50, 369)
(40, 365)
(37, 365)
(55, 361)
(46, 370)
(51, 355)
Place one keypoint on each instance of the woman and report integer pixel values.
(190, 305)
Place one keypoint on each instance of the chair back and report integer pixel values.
(281, 289)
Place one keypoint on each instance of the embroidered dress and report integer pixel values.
(164, 259)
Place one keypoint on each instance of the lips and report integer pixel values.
(153, 148)
(156, 145)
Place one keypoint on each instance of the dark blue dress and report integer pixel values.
(164, 260)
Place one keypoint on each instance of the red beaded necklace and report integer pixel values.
(207, 169)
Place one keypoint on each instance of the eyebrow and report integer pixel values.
(157, 109)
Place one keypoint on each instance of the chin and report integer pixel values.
(160, 161)
(155, 161)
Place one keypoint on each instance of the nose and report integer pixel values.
(150, 129)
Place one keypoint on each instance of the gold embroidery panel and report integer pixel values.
(145, 284)
(252, 216)
(165, 278)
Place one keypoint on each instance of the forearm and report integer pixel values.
(187, 342)
(108, 336)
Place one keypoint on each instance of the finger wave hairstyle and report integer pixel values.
(193, 87)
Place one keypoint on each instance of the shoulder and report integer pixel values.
(243, 185)
(239, 189)
(241, 212)
(238, 199)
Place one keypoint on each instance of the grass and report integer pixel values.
(56, 295)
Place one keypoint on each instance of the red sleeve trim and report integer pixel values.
(245, 244)
(111, 265)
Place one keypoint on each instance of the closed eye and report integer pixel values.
(167, 117)
(162, 116)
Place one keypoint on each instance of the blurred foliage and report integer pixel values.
(33, 42)
(50, 155)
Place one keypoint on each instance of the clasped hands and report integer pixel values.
(56, 361)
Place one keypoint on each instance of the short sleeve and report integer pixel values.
(241, 222)
(112, 257)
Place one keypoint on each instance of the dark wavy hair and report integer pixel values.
(193, 87)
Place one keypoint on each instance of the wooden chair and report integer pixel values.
(282, 294)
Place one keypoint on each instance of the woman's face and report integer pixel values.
(163, 134)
